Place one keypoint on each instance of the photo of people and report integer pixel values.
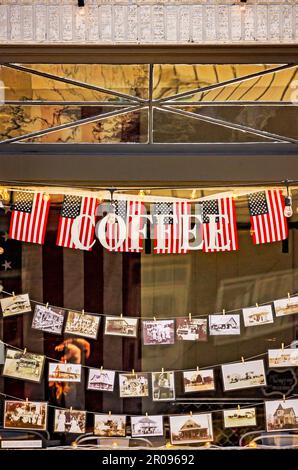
(254, 316)
(15, 305)
(48, 319)
(82, 324)
(133, 385)
(287, 306)
(158, 332)
(101, 380)
(283, 357)
(243, 375)
(70, 421)
(110, 425)
(163, 386)
(121, 326)
(191, 329)
(64, 372)
(25, 415)
(23, 365)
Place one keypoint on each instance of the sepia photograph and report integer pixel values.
(70, 421)
(191, 329)
(243, 375)
(23, 365)
(190, 429)
(158, 332)
(133, 385)
(48, 319)
(82, 324)
(281, 415)
(237, 417)
(163, 386)
(198, 380)
(146, 426)
(287, 306)
(283, 357)
(121, 326)
(101, 380)
(110, 425)
(224, 325)
(254, 316)
(15, 305)
(25, 415)
(64, 372)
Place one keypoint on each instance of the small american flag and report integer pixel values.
(29, 217)
(268, 223)
(127, 210)
(174, 222)
(72, 207)
(226, 236)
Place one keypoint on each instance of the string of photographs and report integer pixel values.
(192, 428)
(56, 320)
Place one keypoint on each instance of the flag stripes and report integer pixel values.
(174, 235)
(226, 236)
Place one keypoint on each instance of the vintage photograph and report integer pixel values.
(283, 357)
(64, 372)
(224, 325)
(158, 332)
(189, 429)
(82, 324)
(191, 329)
(133, 385)
(48, 319)
(254, 316)
(15, 305)
(101, 380)
(121, 326)
(23, 365)
(25, 415)
(71, 421)
(243, 375)
(236, 418)
(110, 425)
(146, 426)
(286, 306)
(198, 380)
(163, 386)
(281, 415)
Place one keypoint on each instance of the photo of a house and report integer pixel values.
(198, 381)
(257, 315)
(287, 306)
(187, 429)
(281, 415)
(283, 357)
(224, 325)
(146, 426)
(236, 418)
(243, 375)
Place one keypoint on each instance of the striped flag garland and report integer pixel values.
(73, 207)
(29, 217)
(268, 223)
(225, 237)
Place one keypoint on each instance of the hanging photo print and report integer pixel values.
(287, 306)
(133, 385)
(64, 372)
(237, 417)
(25, 415)
(255, 316)
(48, 319)
(110, 425)
(163, 386)
(23, 365)
(281, 415)
(243, 375)
(198, 380)
(283, 357)
(101, 380)
(121, 326)
(70, 421)
(158, 332)
(189, 429)
(15, 305)
(146, 426)
(82, 324)
(220, 325)
(191, 329)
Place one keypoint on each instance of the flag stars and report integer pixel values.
(5, 236)
(6, 265)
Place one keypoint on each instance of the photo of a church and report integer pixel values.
(281, 415)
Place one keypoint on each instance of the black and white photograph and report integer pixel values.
(246, 374)
(70, 421)
(25, 415)
(146, 426)
(64, 372)
(283, 357)
(110, 425)
(101, 380)
(163, 386)
(82, 324)
(287, 306)
(237, 417)
(255, 316)
(133, 385)
(158, 332)
(191, 329)
(23, 365)
(121, 326)
(48, 319)
(220, 325)
(15, 305)
(198, 380)
(189, 429)
(281, 415)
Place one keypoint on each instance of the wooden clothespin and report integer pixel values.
(25, 351)
(65, 361)
(162, 370)
(282, 346)
(13, 294)
(27, 400)
(190, 413)
(70, 409)
(101, 367)
(289, 296)
(223, 311)
(83, 312)
(47, 305)
(133, 372)
(189, 316)
(257, 305)
(284, 398)
(198, 369)
(146, 414)
(121, 315)
(154, 318)
(238, 407)
(242, 359)
(110, 413)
